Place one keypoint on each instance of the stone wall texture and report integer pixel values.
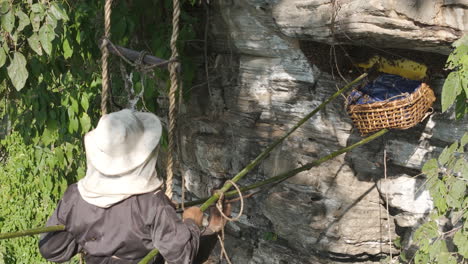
(262, 84)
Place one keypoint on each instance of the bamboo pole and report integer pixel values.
(280, 177)
(277, 178)
(267, 151)
(291, 173)
(33, 231)
(261, 157)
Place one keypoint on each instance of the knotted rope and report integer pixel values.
(219, 203)
(172, 95)
(105, 56)
(219, 206)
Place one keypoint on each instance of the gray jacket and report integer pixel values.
(121, 234)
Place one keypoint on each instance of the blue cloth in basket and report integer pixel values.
(386, 87)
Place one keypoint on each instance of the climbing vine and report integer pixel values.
(444, 237)
(50, 84)
(455, 90)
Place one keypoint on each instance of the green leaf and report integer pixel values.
(85, 122)
(431, 168)
(74, 105)
(461, 241)
(8, 21)
(461, 41)
(71, 114)
(51, 124)
(447, 153)
(439, 202)
(84, 102)
(51, 20)
(464, 171)
(421, 258)
(3, 57)
(23, 20)
(438, 247)
(464, 61)
(73, 125)
(58, 11)
(47, 137)
(67, 49)
(34, 43)
(38, 8)
(461, 107)
(35, 21)
(455, 57)
(463, 141)
(459, 165)
(403, 257)
(46, 36)
(4, 7)
(17, 71)
(450, 90)
(446, 258)
(458, 188)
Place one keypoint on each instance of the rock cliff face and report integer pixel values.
(262, 83)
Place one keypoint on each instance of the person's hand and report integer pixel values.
(217, 221)
(195, 214)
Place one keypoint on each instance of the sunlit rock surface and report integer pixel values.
(422, 25)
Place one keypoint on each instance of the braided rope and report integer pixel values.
(172, 95)
(105, 56)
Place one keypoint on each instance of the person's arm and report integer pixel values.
(177, 240)
(59, 246)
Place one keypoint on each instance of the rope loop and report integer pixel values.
(219, 204)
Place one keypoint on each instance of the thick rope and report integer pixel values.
(105, 56)
(172, 95)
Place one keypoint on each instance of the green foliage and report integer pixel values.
(50, 85)
(447, 183)
(32, 182)
(447, 177)
(455, 88)
(270, 236)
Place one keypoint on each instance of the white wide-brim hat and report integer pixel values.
(122, 141)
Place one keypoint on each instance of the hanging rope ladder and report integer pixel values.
(173, 68)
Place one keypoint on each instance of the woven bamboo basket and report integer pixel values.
(398, 114)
